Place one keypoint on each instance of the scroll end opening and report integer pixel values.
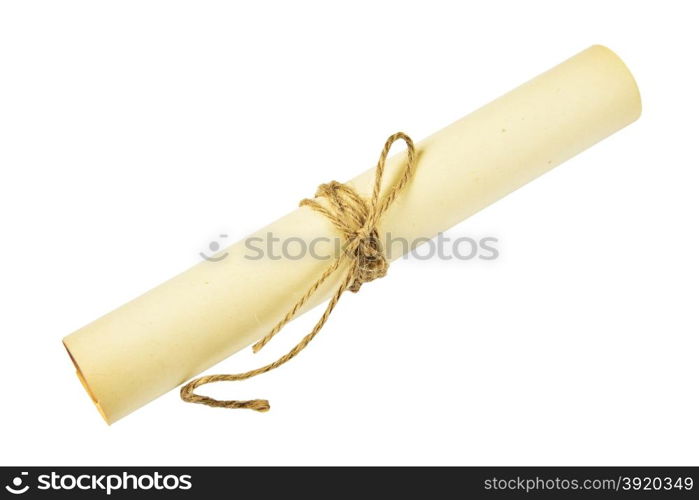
(85, 385)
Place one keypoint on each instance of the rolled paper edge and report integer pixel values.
(632, 78)
(85, 384)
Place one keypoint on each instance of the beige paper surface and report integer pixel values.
(184, 326)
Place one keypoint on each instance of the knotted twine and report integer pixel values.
(356, 219)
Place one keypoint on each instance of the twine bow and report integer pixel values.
(356, 219)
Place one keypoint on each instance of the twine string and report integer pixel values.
(356, 219)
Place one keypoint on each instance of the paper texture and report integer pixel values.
(184, 326)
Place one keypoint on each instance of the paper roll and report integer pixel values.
(184, 326)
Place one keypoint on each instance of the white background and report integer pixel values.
(133, 133)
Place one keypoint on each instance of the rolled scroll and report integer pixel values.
(184, 326)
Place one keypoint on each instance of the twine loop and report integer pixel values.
(351, 216)
(356, 219)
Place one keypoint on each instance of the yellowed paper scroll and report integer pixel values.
(177, 330)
